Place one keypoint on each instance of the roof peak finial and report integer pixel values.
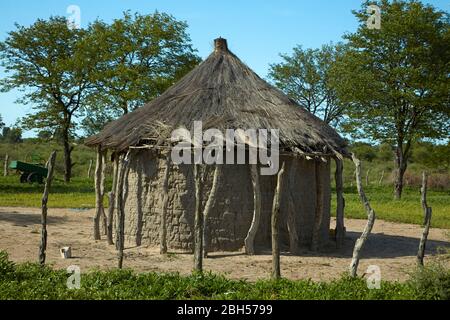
(220, 45)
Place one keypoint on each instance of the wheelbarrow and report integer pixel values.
(29, 172)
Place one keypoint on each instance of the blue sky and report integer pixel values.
(257, 31)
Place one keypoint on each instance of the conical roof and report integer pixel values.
(223, 93)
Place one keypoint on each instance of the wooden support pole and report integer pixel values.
(367, 178)
(250, 239)
(370, 220)
(292, 213)
(102, 193)
(208, 208)
(165, 202)
(427, 214)
(48, 182)
(112, 200)
(89, 173)
(380, 182)
(319, 208)
(122, 186)
(6, 165)
(118, 190)
(340, 203)
(276, 272)
(98, 194)
(198, 220)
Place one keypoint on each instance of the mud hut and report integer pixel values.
(222, 92)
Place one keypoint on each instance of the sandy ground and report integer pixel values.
(392, 247)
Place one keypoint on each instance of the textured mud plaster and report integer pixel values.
(232, 213)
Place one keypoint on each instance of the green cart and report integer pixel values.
(29, 172)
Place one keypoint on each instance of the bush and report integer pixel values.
(6, 266)
(431, 283)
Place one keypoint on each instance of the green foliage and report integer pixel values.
(395, 80)
(11, 135)
(304, 76)
(431, 283)
(141, 56)
(32, 281)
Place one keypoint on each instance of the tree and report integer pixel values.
(12, 135)
(304, 76)
(141, 56)
(395, 80)
(2, 124)
(52, 65)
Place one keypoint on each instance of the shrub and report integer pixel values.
(431, 282)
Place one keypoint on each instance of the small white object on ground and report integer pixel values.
(66, 252)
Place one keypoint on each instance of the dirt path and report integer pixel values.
(392, 247)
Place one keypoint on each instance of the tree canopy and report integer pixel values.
(395, 81)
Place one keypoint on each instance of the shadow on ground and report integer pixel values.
(25, 219)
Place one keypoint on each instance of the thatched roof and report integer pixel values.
(225, 94)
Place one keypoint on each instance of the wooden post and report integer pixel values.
(276, 273)
(121, 187)
(163, 224)
(208, 207)
(6, 164)
(250, 239)
(380, 182)
(112, 200)
(292, 214)
(370, 221)
(98, 194)
(428, 214)
(340, 203)
(120, 168)
(198, 220)
(48, 182)
(319, 208)
(102, 193)
(89, 169)
(367, 178)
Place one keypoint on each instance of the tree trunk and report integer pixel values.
(5, 168)
(319, 208)
(112, 200)
(250, 239)
(427, 222)
(121, 206)
(89, 173)
(340, 203)
(198, 223)
(276, 272)
(401, 165)
(163, 224)
(48, 182)
(98, 194)
(67, 154)
(370, 221)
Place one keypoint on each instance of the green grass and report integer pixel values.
(406, 210)
(31, 281)
(80, 194)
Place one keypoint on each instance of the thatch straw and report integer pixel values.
(225, 94)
